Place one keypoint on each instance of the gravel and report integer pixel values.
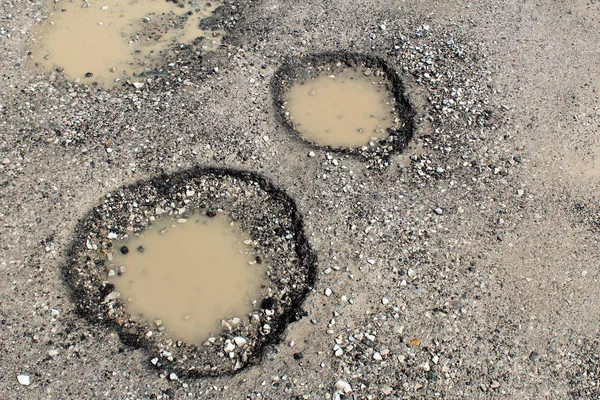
(504, 109)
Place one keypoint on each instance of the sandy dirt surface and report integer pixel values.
(466, 268)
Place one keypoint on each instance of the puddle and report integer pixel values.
(105, 40)
(345, 102)
(344, 110)
(186, 277)
(169, 280)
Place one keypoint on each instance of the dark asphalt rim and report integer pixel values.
(306, 261)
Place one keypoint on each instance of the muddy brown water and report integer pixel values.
(186, 277)
(346, 110)
(116, 38)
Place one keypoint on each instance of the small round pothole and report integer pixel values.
(344, 102)
(253, 203)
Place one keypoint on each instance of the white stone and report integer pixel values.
(239, 341)
(229, 347)
(377, 356)
(173, 376)
(343, 386)
(385, 301)
(112, 235)
(23, 380)
(328, 292)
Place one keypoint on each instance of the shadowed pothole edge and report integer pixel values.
(271, 218)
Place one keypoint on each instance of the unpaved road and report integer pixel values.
(468, 268)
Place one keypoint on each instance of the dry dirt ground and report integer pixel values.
(468, 267)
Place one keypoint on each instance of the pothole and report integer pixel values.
(344, 102)
(108, 40)
(185, 275)
(279, 261)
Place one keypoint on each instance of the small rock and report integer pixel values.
(124, 250)
(112, 235)
(377, 356)
(138, 85)
(495, 385)
(438, 211)
(229, 347)
(534, 356)
(23, 380)
(239, 341)
(328, 292)
(173, 376)
(385, 301)
(311, 153)
(387, 390)
(343, 386)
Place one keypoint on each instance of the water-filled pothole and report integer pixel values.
(344, 102)
(100, 41)
(275, 239)
(347, 109)
(185, 275)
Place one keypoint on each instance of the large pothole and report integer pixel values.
(253, 203)
(344, 102)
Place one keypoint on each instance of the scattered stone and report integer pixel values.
(229, 347)
(534, 356)
(343, 386)
(24, 380)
